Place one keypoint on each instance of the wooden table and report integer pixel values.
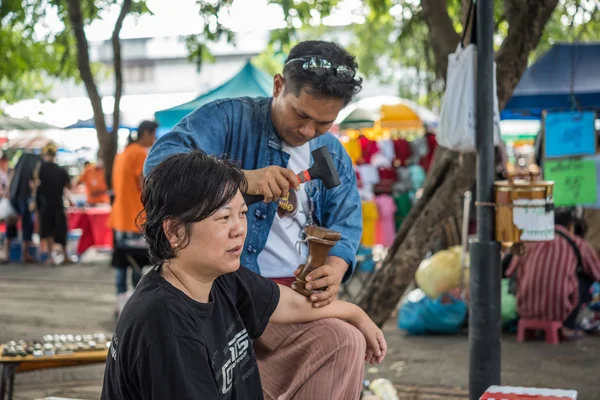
(12, 365)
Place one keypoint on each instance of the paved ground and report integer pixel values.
(36, 300)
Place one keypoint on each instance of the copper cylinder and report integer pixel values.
(506, 192)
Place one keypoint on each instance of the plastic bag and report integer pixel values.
(441, 272)
(456, 129)
(508, 306)
(420, 315)
(6, 209)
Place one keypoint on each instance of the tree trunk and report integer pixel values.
(110, 150)
(83, 64)
(451, 174)
(443, 36)
(526, 26)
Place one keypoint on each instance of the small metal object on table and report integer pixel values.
(12, 365)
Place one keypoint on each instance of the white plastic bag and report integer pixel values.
(6, 209)
(457, 119)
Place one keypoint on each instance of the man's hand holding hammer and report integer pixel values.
(273, 183)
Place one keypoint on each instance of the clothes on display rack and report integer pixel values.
(417, 176)
(368, 177)
(368, 147)
(386, 148)
(386, 226)
(402, 152)
(370, 216)
(403, 206)
(353, 149)
(432, 145)
(387, 178)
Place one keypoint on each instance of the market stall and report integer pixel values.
(391, 144)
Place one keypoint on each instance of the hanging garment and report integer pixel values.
(387, 177)
(368, 148)
(402, 152)
(403, 206)
(370, 217)
(432, 145)
(417, 176)
(353, 149)
(369, 177)
(386, 226)
(380, 161)
(386, 149)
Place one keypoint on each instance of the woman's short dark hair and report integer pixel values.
(564, 216)
(326, 85)
(185, 188)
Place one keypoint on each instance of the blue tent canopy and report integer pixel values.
(249, 82)
(566, 77)
(89, 123)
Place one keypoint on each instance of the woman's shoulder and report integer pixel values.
(154, 311)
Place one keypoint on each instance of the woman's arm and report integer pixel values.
(293, 307)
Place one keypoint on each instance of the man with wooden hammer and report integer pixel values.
(273, 139)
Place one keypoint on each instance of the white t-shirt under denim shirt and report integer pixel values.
(280, 257)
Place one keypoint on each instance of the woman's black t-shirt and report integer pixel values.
(168, 346)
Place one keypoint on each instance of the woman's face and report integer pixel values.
(216, 242)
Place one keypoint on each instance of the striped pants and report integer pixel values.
(312, 361)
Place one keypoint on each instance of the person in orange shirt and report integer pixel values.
(95, 183)
(127, 183)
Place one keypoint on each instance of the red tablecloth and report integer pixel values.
(93, 223)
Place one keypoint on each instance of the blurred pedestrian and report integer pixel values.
(94, 181)
(127, 183)
(4, 177)
(53, 182)
(21, 199)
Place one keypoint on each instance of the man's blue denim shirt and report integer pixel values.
(241, 130)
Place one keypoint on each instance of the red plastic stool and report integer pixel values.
(551, 329)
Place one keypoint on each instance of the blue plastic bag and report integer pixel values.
(420, 314)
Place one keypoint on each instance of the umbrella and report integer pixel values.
(360, 118)
(404, 115)
(566, 77)
(9, 124)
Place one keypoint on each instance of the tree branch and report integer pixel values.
(526, 22)
(85, 71)
(111, 147)
(444, 38)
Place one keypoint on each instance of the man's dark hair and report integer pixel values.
(185, 188)
(565, 216)
(321, 85)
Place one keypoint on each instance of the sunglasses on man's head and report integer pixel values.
(320, 66)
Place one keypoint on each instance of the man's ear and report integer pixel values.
(278, 85)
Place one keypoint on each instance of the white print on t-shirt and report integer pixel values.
(113, 346)
(238, 350)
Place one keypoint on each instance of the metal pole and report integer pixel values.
(484, 321)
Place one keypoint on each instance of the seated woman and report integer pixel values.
(554, 277)
(187, 330)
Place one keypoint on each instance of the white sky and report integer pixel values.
(181, 17)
